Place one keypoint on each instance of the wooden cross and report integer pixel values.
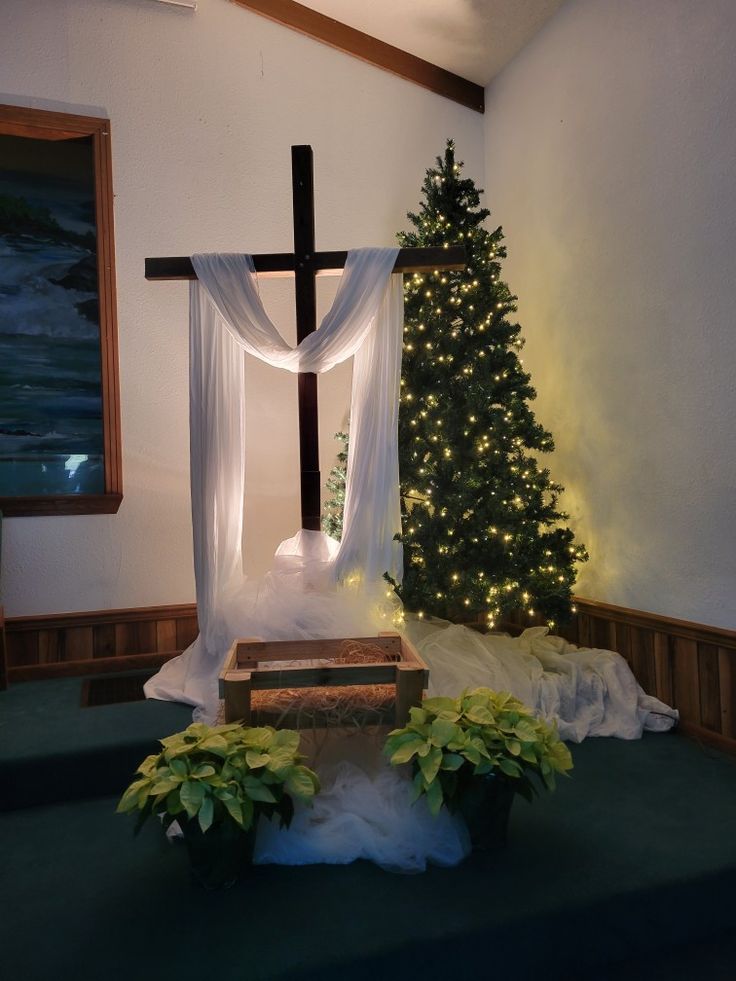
(305, 264)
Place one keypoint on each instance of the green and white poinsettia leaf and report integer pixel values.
(525, 731)
(476, 696)
(434, 797)
(257, 790)
(301, 783)
(172, 752)
(479, 714)
(417, 716)
(430, 764)
(285, 739)
(162, 785)
(234, 809)
(215, 781)
(134, 797)
(417, 786)
(440, 703)
(280, 757)
(443, 732)
(206, 814)
(174, 741)
(509, 767)
(216, 744)
(407, 750)
(203, 770)
(400, 736)
(179, 768)
(458, 744)
(259, 737)
(228, 729)
(197, 729)
(148, 766)
(192, 794)
(174, 805)
(559, 757)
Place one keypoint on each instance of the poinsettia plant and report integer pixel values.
(453, 741)
(220, 774)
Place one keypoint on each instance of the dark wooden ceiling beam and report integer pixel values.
(378, 53)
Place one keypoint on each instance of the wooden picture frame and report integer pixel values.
(100, 490)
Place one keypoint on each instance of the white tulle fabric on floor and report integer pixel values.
(316, 587)
(363, 811)
(586, 692)
(358, 815)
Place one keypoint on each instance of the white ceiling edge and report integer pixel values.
(471, 38)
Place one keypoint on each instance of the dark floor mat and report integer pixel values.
(113, 690)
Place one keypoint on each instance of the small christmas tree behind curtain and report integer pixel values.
(332, 510)
(482, 529)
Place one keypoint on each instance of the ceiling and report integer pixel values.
(472, 38)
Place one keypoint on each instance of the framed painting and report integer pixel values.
(59, 396)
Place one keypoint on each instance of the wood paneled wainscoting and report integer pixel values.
(688, 665)
(70, 644)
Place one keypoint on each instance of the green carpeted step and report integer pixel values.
(53, 749)
(633, 857)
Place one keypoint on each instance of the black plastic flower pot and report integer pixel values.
(485, 803)
(219, 856)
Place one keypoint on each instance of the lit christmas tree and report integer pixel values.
(482, 530)
(332, 510)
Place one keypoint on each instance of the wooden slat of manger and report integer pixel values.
(249, 652)
(335, 674)
(410, 684)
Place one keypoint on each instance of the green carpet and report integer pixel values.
(632, 857)
(52, 749)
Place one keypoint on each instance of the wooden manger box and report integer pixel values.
(254, 666)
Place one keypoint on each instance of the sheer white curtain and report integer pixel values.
(306, 593)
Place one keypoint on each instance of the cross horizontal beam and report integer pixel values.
(321, 263)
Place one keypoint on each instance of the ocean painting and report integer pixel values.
(51, 434)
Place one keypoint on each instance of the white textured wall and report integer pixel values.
(203, 109)
(611, 163)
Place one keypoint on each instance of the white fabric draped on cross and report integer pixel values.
(302, 596)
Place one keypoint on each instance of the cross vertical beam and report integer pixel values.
(302, 179)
